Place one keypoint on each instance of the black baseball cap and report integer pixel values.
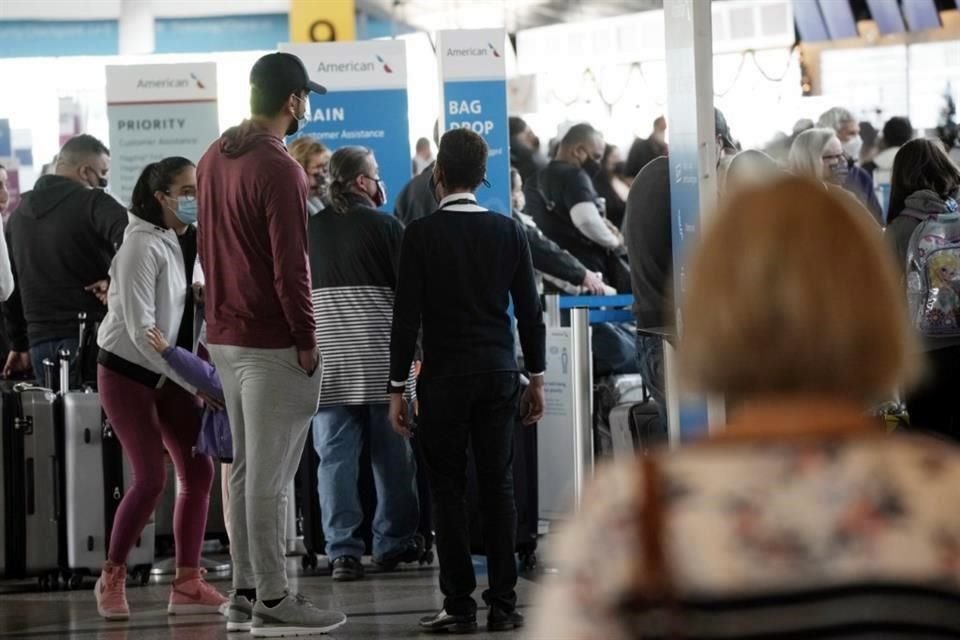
(281, 74)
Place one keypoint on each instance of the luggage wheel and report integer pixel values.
(528, 561)
(309, 562)
(48, 581)
(141, 574)
(427, 558)
(74, 580)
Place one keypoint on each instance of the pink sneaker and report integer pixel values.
(111, 593)
(193, 595)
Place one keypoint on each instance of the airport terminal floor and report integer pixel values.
(380, 606)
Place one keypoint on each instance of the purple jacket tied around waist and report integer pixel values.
(214, 439)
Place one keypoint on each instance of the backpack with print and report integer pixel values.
(933, 274)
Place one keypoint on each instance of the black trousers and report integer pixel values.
(477, 410)
(933, 405)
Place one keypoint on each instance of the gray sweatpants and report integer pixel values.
(270, 401)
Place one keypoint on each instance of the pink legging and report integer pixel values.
(148, 422)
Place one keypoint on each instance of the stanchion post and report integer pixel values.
(552, 311)
(582, 363)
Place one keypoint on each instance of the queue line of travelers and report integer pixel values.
(302, 328)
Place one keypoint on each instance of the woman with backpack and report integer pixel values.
(923, 193)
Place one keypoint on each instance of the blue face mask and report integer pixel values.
(186, 209)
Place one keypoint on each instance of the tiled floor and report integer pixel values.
(381, 606)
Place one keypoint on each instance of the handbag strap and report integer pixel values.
(652, 572)
(651, 587)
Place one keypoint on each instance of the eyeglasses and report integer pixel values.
(835, 157)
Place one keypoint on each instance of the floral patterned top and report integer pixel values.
(800, 537)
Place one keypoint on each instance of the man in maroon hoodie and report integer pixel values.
(253, 246)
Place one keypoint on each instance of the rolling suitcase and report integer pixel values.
(608, 393)
(637, 427)
(216, 526)
(38, 482)
(96, 476)
(96, 479)
(29, 540)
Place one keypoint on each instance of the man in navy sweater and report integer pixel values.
(459, 270)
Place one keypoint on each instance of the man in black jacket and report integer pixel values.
(648, 231)
(62, 239)
(556, 265)
(458, 271)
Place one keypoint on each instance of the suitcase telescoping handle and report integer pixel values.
(81, 344)
(48, 372)
(64, 371)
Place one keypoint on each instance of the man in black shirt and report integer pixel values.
(459, 270)
(62, 239)
(569, 211)
(524, 156)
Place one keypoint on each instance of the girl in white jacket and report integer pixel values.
(152, 409)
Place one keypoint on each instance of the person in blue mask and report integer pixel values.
(152, 408)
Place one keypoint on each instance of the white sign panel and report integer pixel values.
(556, 453)
(158, 111)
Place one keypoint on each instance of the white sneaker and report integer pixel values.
(239, 613)
(293, 616)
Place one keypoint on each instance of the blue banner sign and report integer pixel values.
(473, 79)
(365, 104)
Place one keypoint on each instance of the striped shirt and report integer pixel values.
(353, 260)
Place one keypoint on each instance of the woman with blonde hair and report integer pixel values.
(817, 154)
(799, 518)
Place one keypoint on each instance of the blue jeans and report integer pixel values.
(650, 354)
(338, 438)
(51, 350)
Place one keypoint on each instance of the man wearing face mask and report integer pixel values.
(260, 330)
(857, 181)
(62, 238)
(570, 213)
(354, 254)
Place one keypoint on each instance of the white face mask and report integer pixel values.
(852, 147)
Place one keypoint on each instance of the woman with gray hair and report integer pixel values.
(354, 253)
(857, 181)
(817, 155)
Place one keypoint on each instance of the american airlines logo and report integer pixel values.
(355, 66)
(171, 83)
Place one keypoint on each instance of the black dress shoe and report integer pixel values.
(444, 622)
(500, 620)
(413, 553)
